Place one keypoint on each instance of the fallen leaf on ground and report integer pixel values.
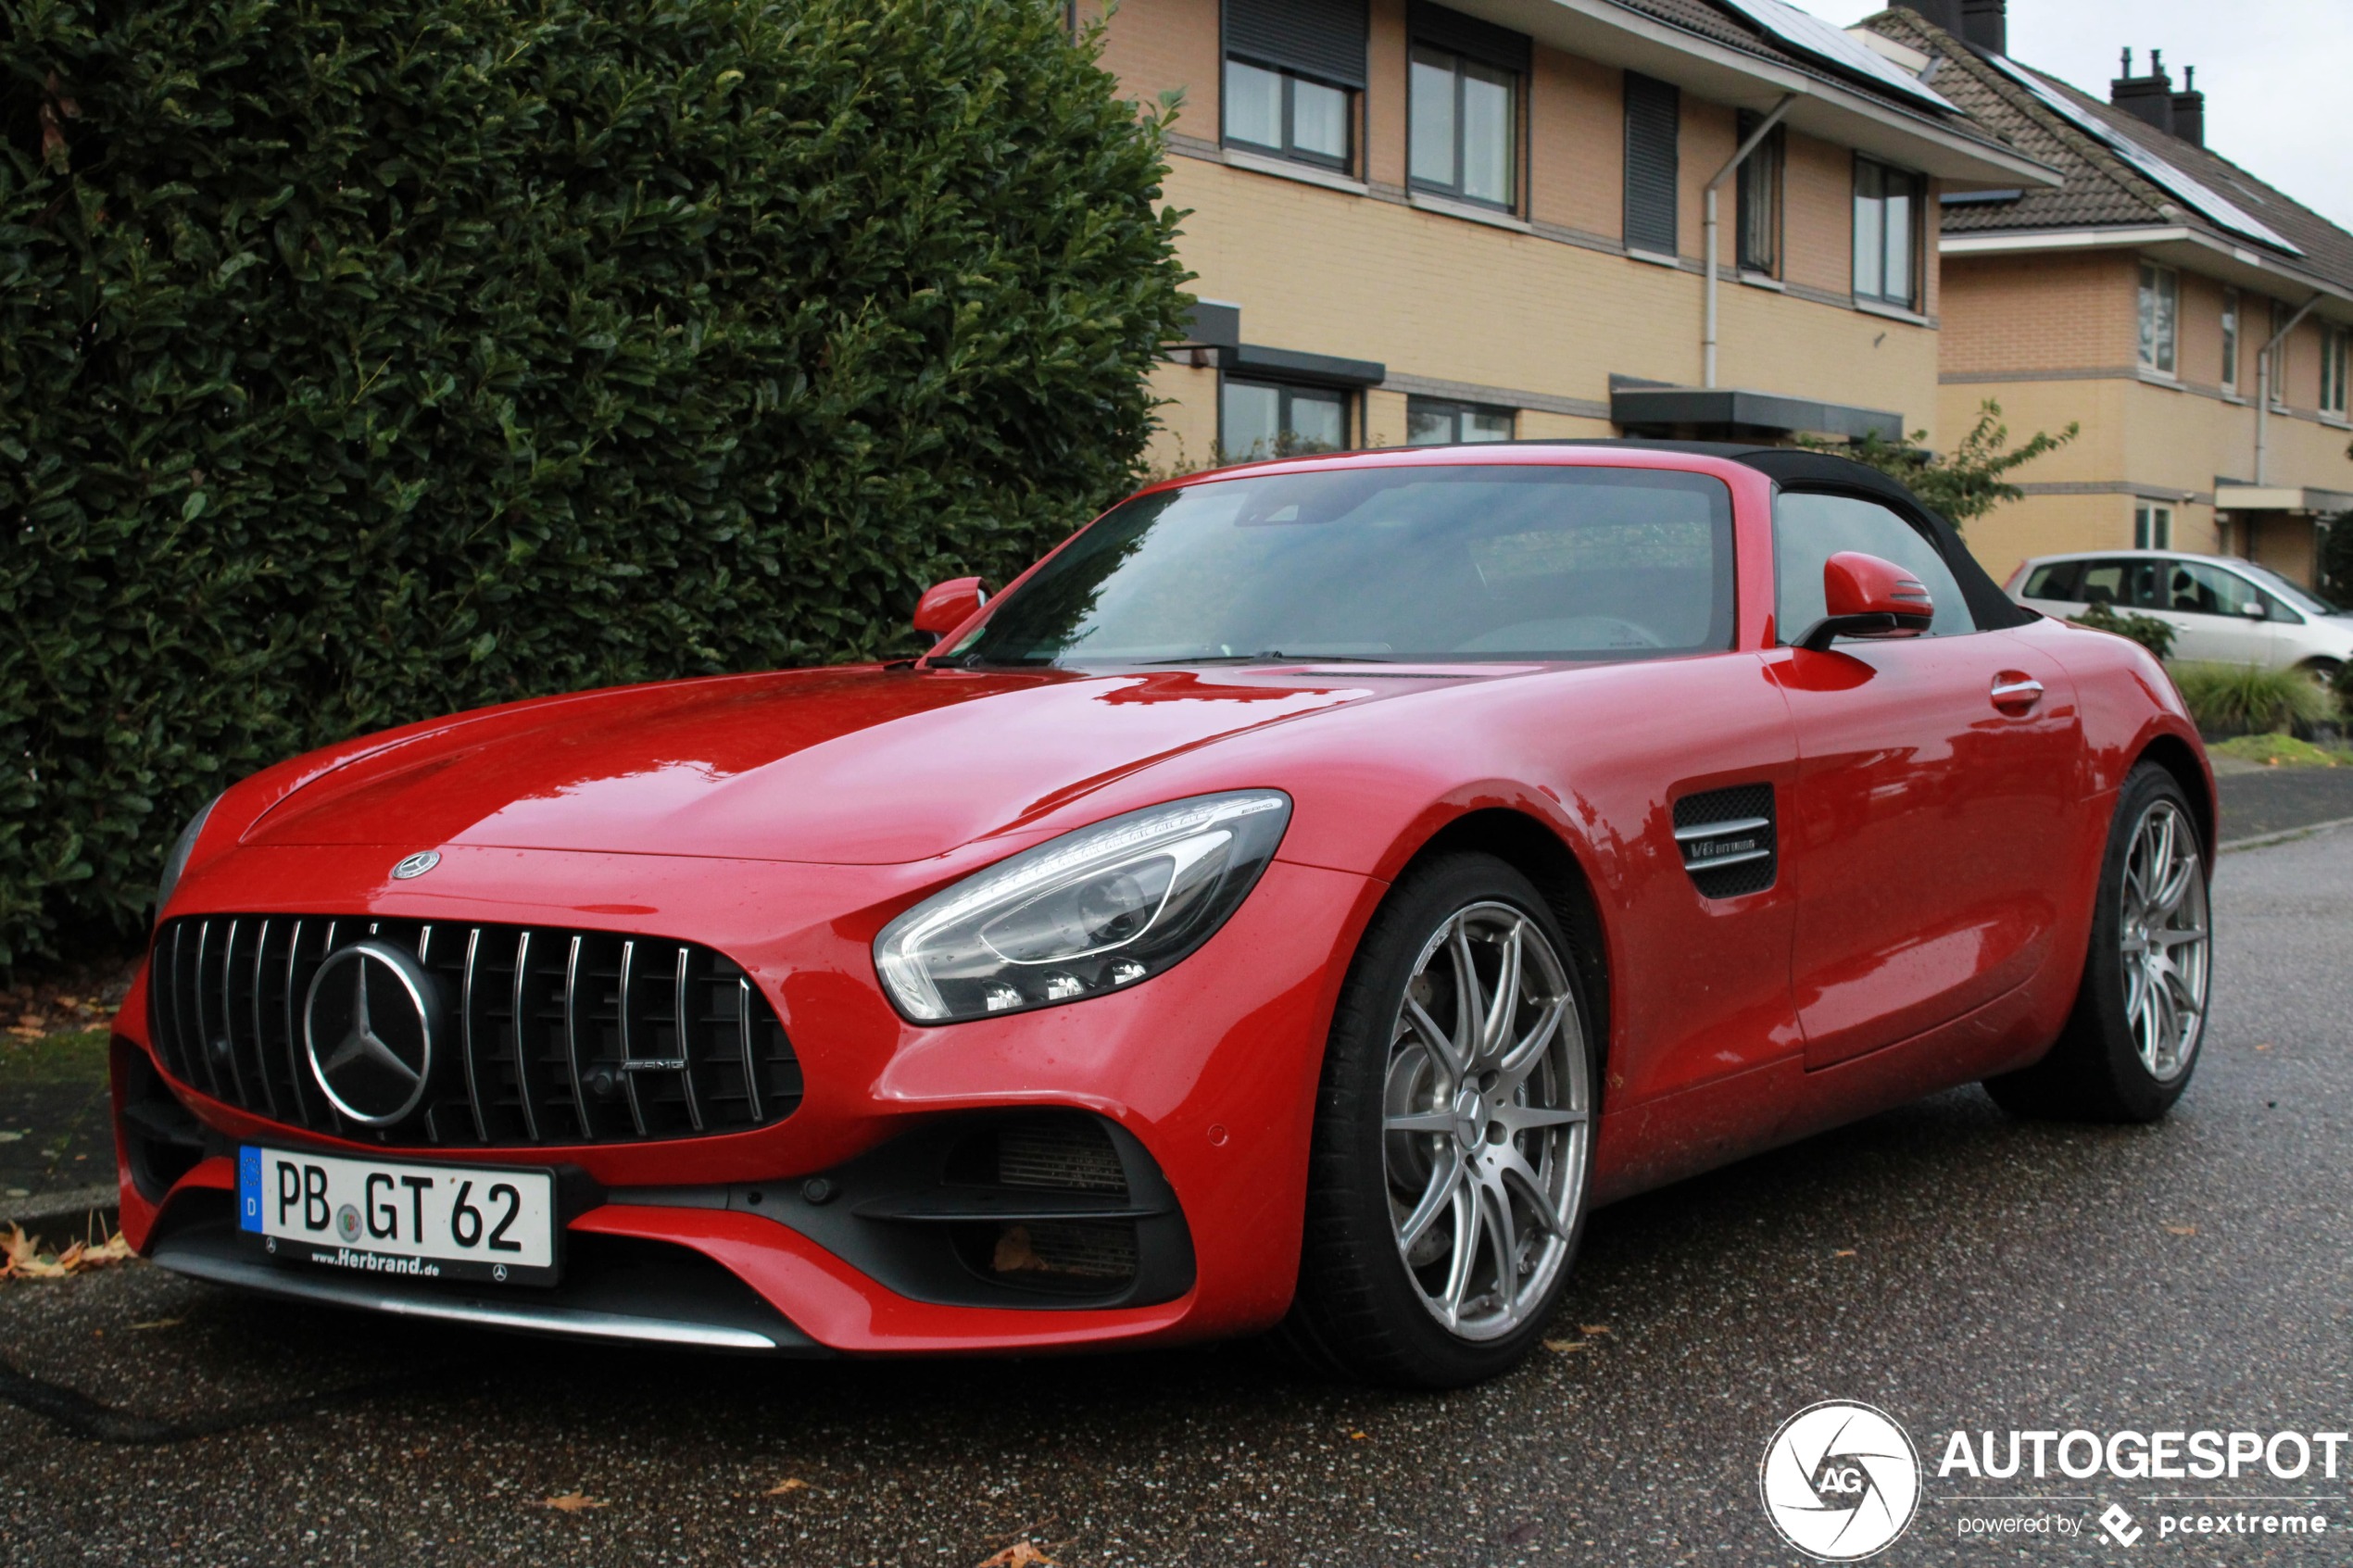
(572, 1502)
(21, 1258)
(1360, 1436)
(1521, 1534)
(159, 1323)
(1020, 1554)
(2180, 1230)
(1594, 1328)
(1567, 1345)
(1844, 1252)
(2264, 1046)
(789, 1484)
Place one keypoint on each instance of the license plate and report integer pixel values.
(416, 1222)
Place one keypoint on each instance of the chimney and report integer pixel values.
(2189, 110)
(2147, 97)
(1986, 24)
(1981, 22)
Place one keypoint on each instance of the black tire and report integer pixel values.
(2096, 1072)
(1359, 1312)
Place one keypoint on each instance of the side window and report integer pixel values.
(1808, 529)
(2195, 588)
(2105, 583)
(2056, 581)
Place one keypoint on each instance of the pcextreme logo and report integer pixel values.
(1840, 1481)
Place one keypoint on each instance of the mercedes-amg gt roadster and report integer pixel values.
(1294, 903)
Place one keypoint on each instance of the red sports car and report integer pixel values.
(1299, 900)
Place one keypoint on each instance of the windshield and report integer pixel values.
(1419, 564)
(2302, 598)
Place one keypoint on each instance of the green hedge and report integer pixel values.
(367, 359)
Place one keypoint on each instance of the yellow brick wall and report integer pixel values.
(2047, 311)
(1386, 67)
(2135, 434)
(1433, 296)
(1818, 214)
(1153, 46)
(1577, 135)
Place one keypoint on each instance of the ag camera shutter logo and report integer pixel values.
(1840, 1481)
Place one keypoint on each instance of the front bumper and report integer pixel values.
(1204, 1077)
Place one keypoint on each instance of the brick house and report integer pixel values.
(2151, 295)
(1415, 223)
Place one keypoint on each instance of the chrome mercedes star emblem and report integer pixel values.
(367, 1029)
(417, 864)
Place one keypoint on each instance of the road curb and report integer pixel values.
(47, 1208)
(2259, 840)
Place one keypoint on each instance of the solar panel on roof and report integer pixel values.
(1811, 36)
(2222, 211)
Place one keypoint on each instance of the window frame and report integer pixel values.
(1287, 391)
(1454, 409)
(2159, 354)
(1767, 164)
(2231, 307)
(1289, 151)
(2152, 525)
(2333, 367)
(1516, 87)
(1915, 281)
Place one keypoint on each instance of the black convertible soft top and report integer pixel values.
(1795, 468)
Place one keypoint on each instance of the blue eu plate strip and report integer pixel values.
(250, 1189)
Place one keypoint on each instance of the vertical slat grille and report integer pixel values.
(546, 1037)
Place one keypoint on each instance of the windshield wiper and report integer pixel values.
(1272, 655)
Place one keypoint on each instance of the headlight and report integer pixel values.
(1091, 911)
(177, 862)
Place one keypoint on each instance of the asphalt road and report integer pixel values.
(1954, 1268)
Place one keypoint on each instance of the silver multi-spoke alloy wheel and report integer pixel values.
(2166, 941)
(1487, 1108)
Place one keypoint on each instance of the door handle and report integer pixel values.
(2015, 693)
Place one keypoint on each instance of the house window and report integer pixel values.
(1275, 420)
(2161, 307)
(1653, 122)
(1277, 112)
(1293, 68)
(1435, 421)
(2152, 527)
(1759, 206)
(1464, 124)
(1887, 219)
(2275, 376)
(2230, 340)
(2332, 370)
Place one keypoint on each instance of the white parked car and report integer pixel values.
(2223, 611)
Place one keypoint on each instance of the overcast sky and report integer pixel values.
(2274, 73)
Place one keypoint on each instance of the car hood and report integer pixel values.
(859, 766)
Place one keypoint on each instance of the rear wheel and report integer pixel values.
(2132, 1041)
(1452, 1146)
(2322, 673)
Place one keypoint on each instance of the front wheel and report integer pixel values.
(2132, 1041)
(1453, 1137)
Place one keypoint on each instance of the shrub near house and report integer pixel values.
(363, 361)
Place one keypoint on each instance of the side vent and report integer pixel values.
(1729, 839)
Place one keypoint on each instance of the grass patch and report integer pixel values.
(2246, 700)
(2280, 752)
(71, 1057)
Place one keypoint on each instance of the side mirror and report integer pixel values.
(946, 605)
(1865, 596)
(2253, 609)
